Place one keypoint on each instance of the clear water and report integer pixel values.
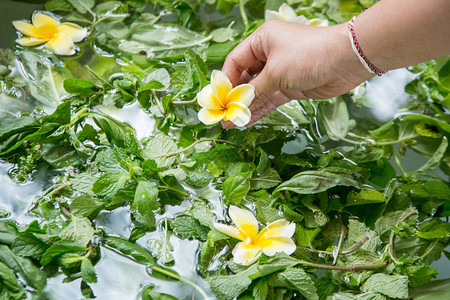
(119, 277)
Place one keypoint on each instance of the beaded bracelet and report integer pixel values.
(358, 51)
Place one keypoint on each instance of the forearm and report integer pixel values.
(400, 33)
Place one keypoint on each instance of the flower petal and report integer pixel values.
(244, 93)
(207, 99)
(273, 15)
(318, 22)
(272, 245)
(300, 20)
(61, 45)
(40, 20)
(75, 32)
(245, 221)
(30, 41)
(237, 113)
(229, 230)
(210, 116)
(244, 254)
(220, 84)
(279, 228)
(287, 12)
(25, 28)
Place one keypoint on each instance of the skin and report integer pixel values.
(285, 61)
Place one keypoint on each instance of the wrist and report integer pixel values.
(346, 61)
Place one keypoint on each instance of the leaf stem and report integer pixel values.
(184, 102)
(243, 13)
(175, 276)
(391, 250)
(429, 249)
(341, 236)
(345, 268)
(197, 142)
(354, 248)
(180, 192)
(399, 164)
(57, 189)
(78, 115)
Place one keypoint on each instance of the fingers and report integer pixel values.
(249, 56)
(261, 109)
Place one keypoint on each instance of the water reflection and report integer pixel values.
(386, 94)
(17, 198)
(134, 115)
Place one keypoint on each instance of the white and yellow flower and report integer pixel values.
(288, 14)
(220, 101)
(58, 37)
(275, 237)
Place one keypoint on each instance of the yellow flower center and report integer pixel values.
(47, 31)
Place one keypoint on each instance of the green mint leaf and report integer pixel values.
(236, 187)
(189, 227)
(79, 230)
(8, 233)
(365, 196)
(297, 279)
(10, 282)
(110, 183)
(420, 275)
(434, 229)
(266, 180)
(161, 248)
(157, 149)
(83, 6)
(231, 286)
(131, 249)
(203, 213)
(87, 271)
(335, 118)
(394, 286)
(146, 197)
(29, 245)
(312, 182)
(356, 231)
(34, 277)
(85, 206)
(78, 86)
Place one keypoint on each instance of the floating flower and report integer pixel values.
(220, 101)
(288, 14)
(275, 237)
(58, 37)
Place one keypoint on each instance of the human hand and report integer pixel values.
(294, 61)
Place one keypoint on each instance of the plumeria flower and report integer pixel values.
(275, 237)
(58, 37)
(288, 14)
(220, 101)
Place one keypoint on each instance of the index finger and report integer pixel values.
(247, 56)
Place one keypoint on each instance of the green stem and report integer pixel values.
(175, 276)
(243, 13)
(91, 249)
(58, 189)
(353, 249)
(78, 115)
(197, 142)
(429, 249)
(350, 141)
(399, 164)
(180, 192)
(345, 268)
(341, 236)
(184, 102)
(391, 250)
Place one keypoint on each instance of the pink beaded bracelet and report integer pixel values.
(358, 51)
